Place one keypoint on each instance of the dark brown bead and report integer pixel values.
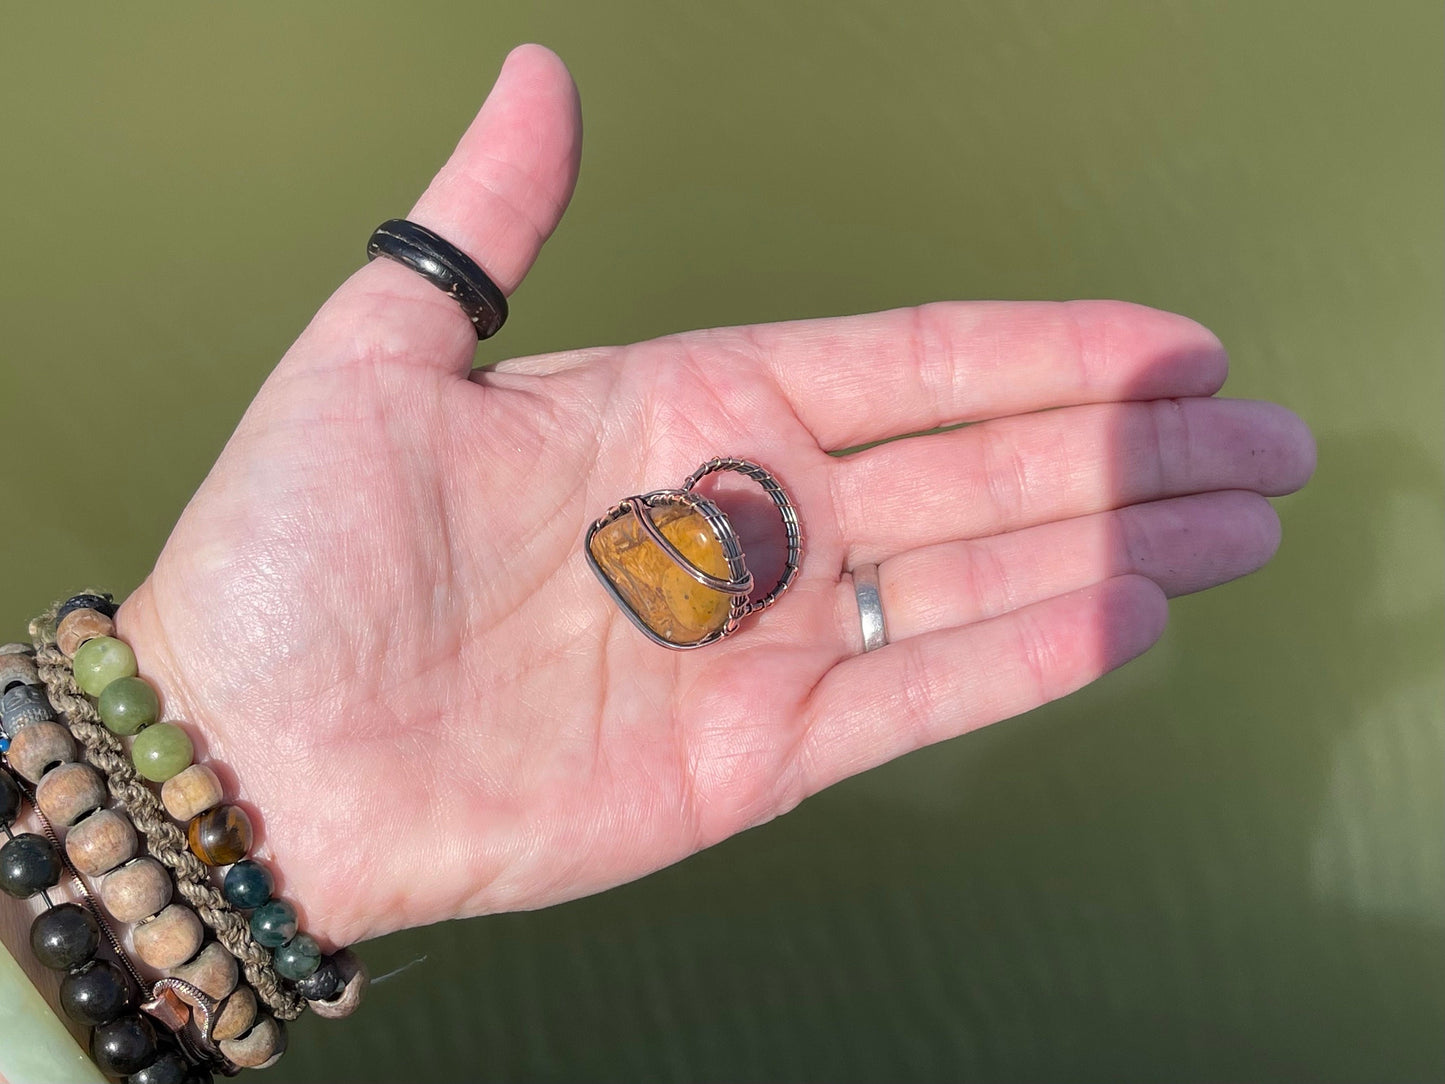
(220, 836)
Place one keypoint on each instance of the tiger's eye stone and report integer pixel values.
(100, 661)
(220, 836)
(670, 602)
(127, 705)
(161, 751)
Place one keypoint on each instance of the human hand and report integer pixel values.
(375, 613)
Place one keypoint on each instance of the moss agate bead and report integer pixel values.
(220, 836)
(28, 863)
(100, 661)
(94, 993)
(297, 958)
(248, 884)
(161, 751)
(273, 923)
(127, 705)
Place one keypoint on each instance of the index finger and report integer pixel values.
(857, 379)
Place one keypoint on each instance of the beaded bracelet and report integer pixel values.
(219, 834)
(94, 992)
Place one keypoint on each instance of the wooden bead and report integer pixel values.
(78, 626)
(100, 842)
(69, 791)
(235, 1016)
(38, 748)
(212, 971)
(136, 890)
(17, 669)
(355, 979)
(169, 939)
(259, 1045)
(191, 793)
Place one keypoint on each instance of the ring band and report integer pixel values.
(870, 607)
(446, 267)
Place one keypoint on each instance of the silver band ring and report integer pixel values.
(870, 607)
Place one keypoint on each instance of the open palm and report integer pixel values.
(376, 613)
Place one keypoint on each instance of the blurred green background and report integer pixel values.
(1223, 863)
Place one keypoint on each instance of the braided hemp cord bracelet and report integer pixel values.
(164, 839)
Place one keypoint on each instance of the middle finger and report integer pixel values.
(1016, 472)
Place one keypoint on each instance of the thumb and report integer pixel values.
(498, 198)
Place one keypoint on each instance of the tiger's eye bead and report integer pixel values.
(124, 1045)
(354, 981)
(248, 884)
(161, 751)
(100, 661)
(297, 958)
(136, 890)
(168, 1068)
(40, 747)
(28, 863)
(213, 971)
(64, 937)
(273, 923)
(128, 705)
(235, 1016)
(95, 993)
(220, 836)
(169, 939)
(17, 668)
(100, 842)
(191, 793)
(264, 1041)
(68, 792)
(80, 625)
(9, 798)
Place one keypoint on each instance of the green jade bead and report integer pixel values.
(161, 751)
(128, 705)
(273, 923)
(100, 661)
(297, 958)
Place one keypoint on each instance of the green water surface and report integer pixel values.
(1223, 863)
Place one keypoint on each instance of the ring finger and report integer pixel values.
(1184, 544)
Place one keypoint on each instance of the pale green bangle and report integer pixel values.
(35, 1047)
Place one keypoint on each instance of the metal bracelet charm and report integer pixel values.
(673, 562)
